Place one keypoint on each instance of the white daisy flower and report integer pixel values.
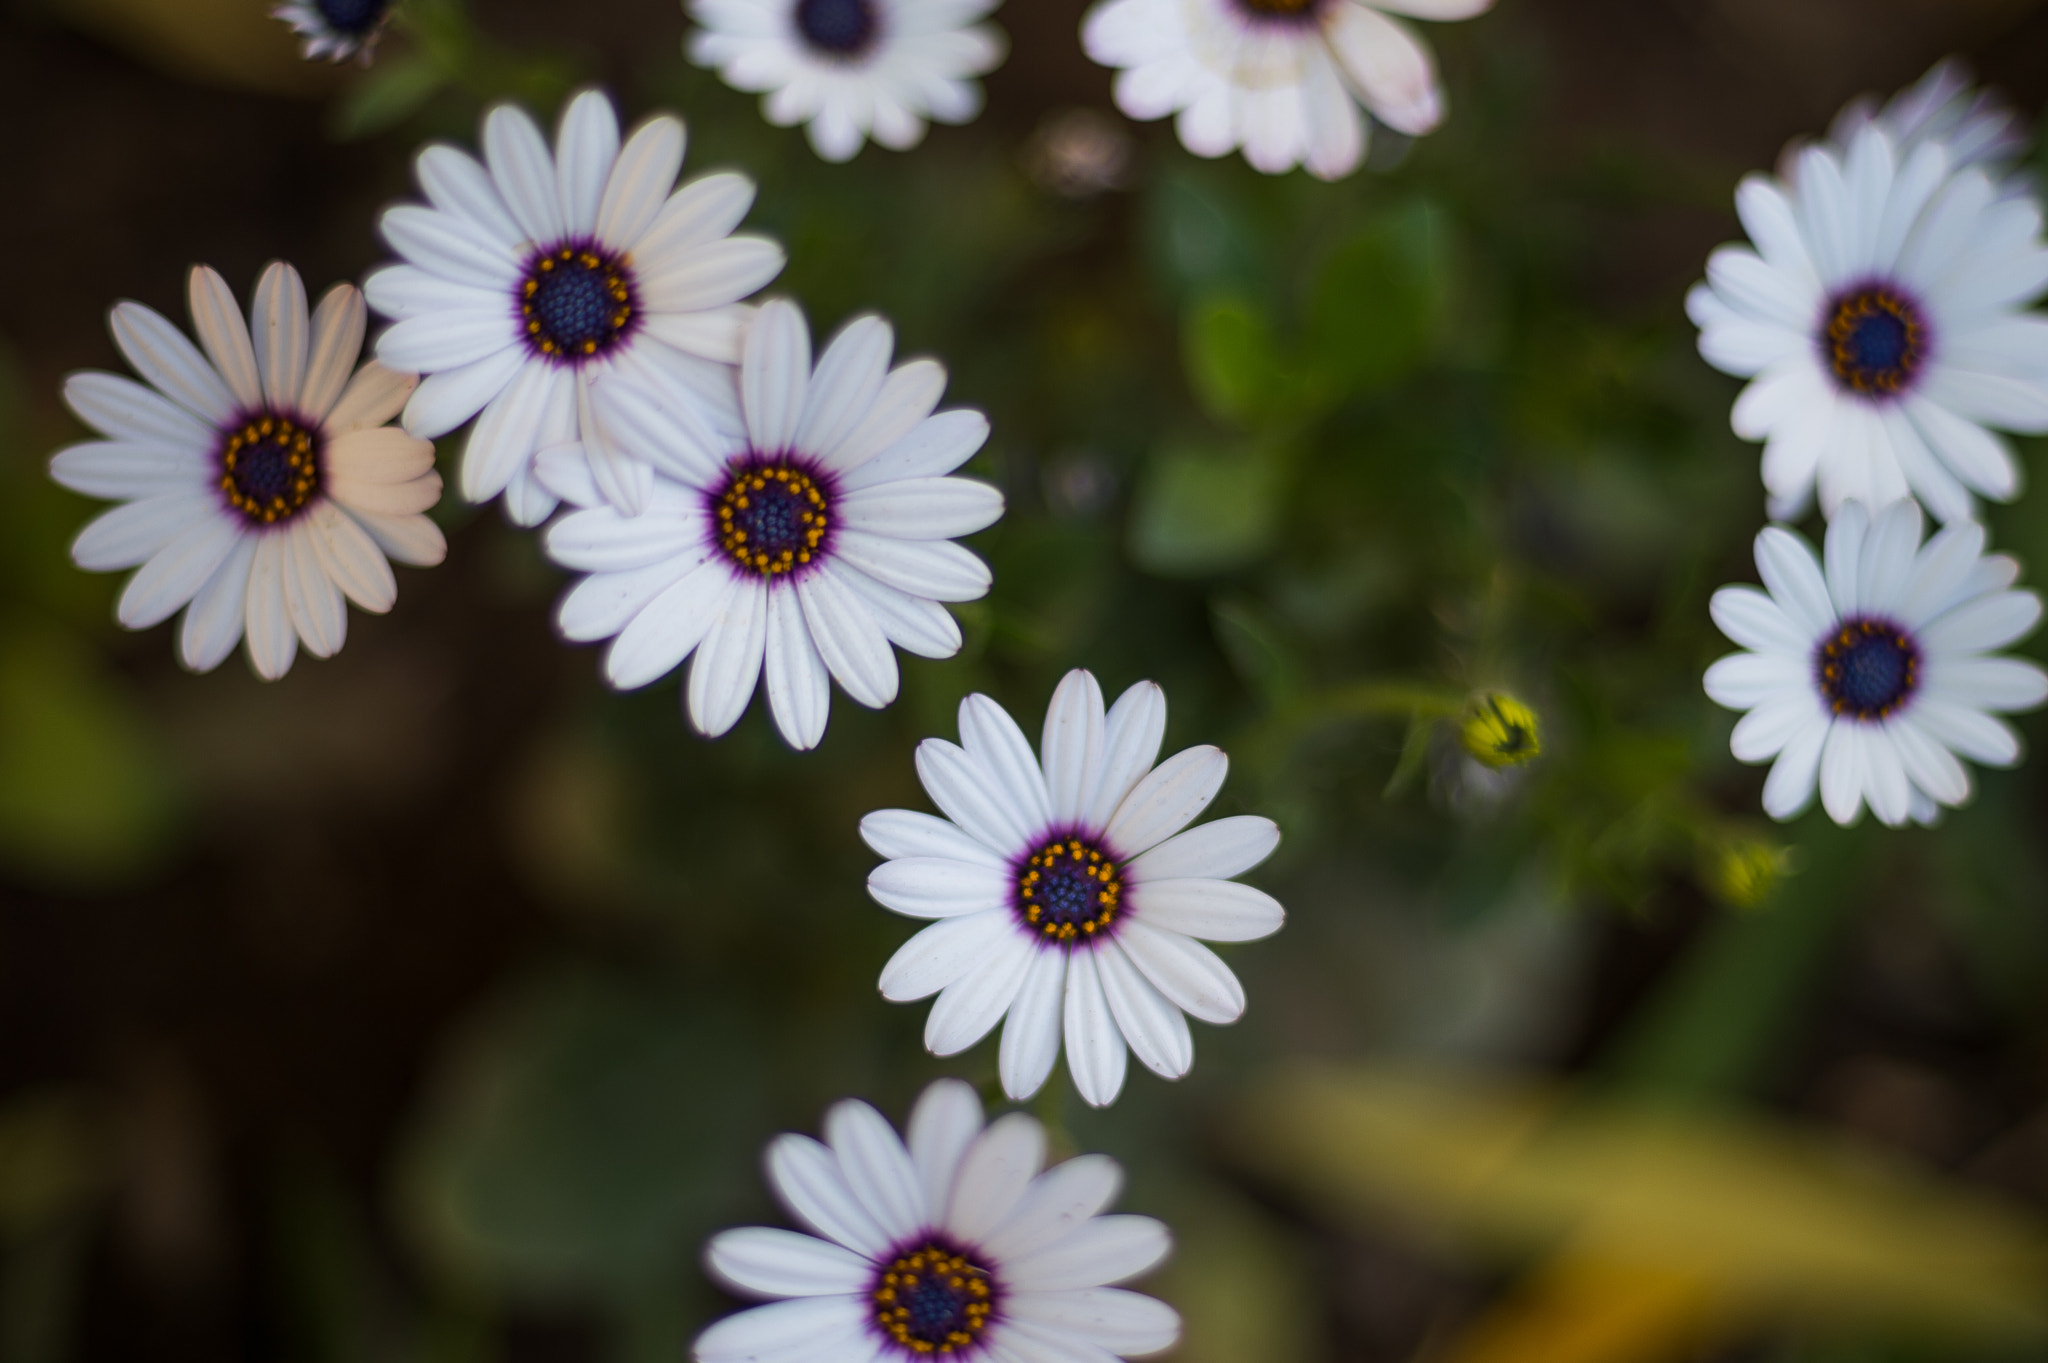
(852, 69)
(259, 482)
(1975, 126)
(1069, 899)
(1873, 673)
(336, 29)
(954, 1246)
(1881, 315)
(802, 547)
(529, 275)
(1281, 78)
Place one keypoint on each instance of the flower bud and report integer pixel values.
(1499, 730)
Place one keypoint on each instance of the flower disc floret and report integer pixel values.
(773, 517)
(933, 1300)
(1876, 341)
(270, 467)
(1285, 11)
(838, 28)
(576, 301)
(1069, 888)
(1868, 668)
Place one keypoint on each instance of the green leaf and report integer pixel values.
(393, 91)
(85, 795)
(1379, 302)
(583, 1139)
(1234, 361)
(1201, 511)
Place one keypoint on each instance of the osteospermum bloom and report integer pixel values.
(259, 481)
(953, 1244)
(336, 29)
(852, 69)
(1281, 78)
(1880, 315)
(529, 275)
(800, 548)
(1068, 896)
(1874, 673)
(1975, 126)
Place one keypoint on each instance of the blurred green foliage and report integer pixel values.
(1327, 461)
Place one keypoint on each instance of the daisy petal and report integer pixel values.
(998, 1166)
(784, 1331)
(1156, 1030)
(1031, 1032)
(1192, 977)
(810, 1182)
(1104, 1250)
(1096, 1056)
(759, 1261)
(1167, 799)
(1072, 744)
(1214, 910)
(1125, 1323)
(1058, 1203)
(877, 1167)
(936, 887)
(1220, 849)
(729, 661)
(942, 954)
(896, 833)
(1132, 732)
(944, 1123)
(969, 1008)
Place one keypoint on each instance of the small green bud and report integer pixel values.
(1744, 871)
(1499, 730)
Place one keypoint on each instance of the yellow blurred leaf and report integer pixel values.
(1774, 1222)
(213, 42)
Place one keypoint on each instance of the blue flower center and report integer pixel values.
(772, 518)
(1286, 11)
(353, 17)
(576, 302)
(1868, 668)
(1067, 889)
(1876, 341)
(932, 1300)
(839, 28)
(270, 468)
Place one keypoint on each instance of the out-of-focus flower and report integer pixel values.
(1743, 871)
(530, 276)
(955, 1244)
(336, 29)
(804, 546)
(1499, 730)
(1881, 316)
(259, 482)
(1066, 901)
(1975, 126)
(1873, 674)
(1079, 153)
(852, 69)
(1281, 78)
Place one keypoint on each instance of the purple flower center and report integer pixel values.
(773, 517)
(576, 301)
(838, 28)
(1876, 340)
(933, 1300)
(1868, 668)
(352, 17)
(1069, 888)
(1281, 11)
(270, 467)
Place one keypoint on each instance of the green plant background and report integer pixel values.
(434, 1003)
